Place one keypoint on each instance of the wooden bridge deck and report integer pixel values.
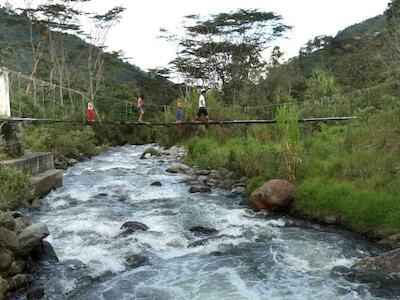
(230, 122)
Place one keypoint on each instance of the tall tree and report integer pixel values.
(221, 51)
(101, 25)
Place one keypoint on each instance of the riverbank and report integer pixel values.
(346, 175)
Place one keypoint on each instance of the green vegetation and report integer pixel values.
(13, 187)
(348, 171)
(72, 142)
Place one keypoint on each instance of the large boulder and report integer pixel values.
(44, 252)
(274, 196)
(31, 237)
(150, 152)
(8, 239)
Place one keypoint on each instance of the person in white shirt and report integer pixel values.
(202, 106)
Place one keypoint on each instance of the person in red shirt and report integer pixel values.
(140, 104)
(91, 114)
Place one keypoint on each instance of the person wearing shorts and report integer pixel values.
(140, 103)
(202, 107)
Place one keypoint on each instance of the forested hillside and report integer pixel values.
(119, 78)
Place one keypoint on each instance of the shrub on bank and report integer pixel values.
(66, 141)
(245, 156)
(13, 186)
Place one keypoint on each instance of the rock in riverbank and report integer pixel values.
(274, 196)
(383, 269)
(19, 240)
(177, 168)
(199, 189)
(149, 153)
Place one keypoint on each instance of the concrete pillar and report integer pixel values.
(5, 109)
(11, 134)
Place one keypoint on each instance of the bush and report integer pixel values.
(245, 156)
(13, 187)
(67, 141)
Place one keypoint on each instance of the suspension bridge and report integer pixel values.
(24, 99)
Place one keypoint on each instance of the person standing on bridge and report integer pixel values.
(202, 106)
(179, 111)
(91, 114)
(140, 104)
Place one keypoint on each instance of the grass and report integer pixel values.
(351, 171)
(13, 187)
(361, 209)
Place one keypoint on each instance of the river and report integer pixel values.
(259, 256)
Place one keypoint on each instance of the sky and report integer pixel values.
(137, 33)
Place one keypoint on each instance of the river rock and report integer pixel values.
(205, 241)
(6, 260)
(151, 151)
(226, 184)
(202, 179)
(203, 230)
(19, 280)
(188, 179)
(238, 190)
(134, 226)
(274, 196)
(178, 168)
(199, 189)
(31, 237)
(392, 241)
(35, 293)
(135, 261)
(72, 161)
(383, 269)
(156, 183)
(44, 252)
(245, 202)
(7, 221)
(202, 172)
(21, 223)
(4, 287)
(8, 239)
(36, 203)
(214, 174)
(16, 267)
(212, 182)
